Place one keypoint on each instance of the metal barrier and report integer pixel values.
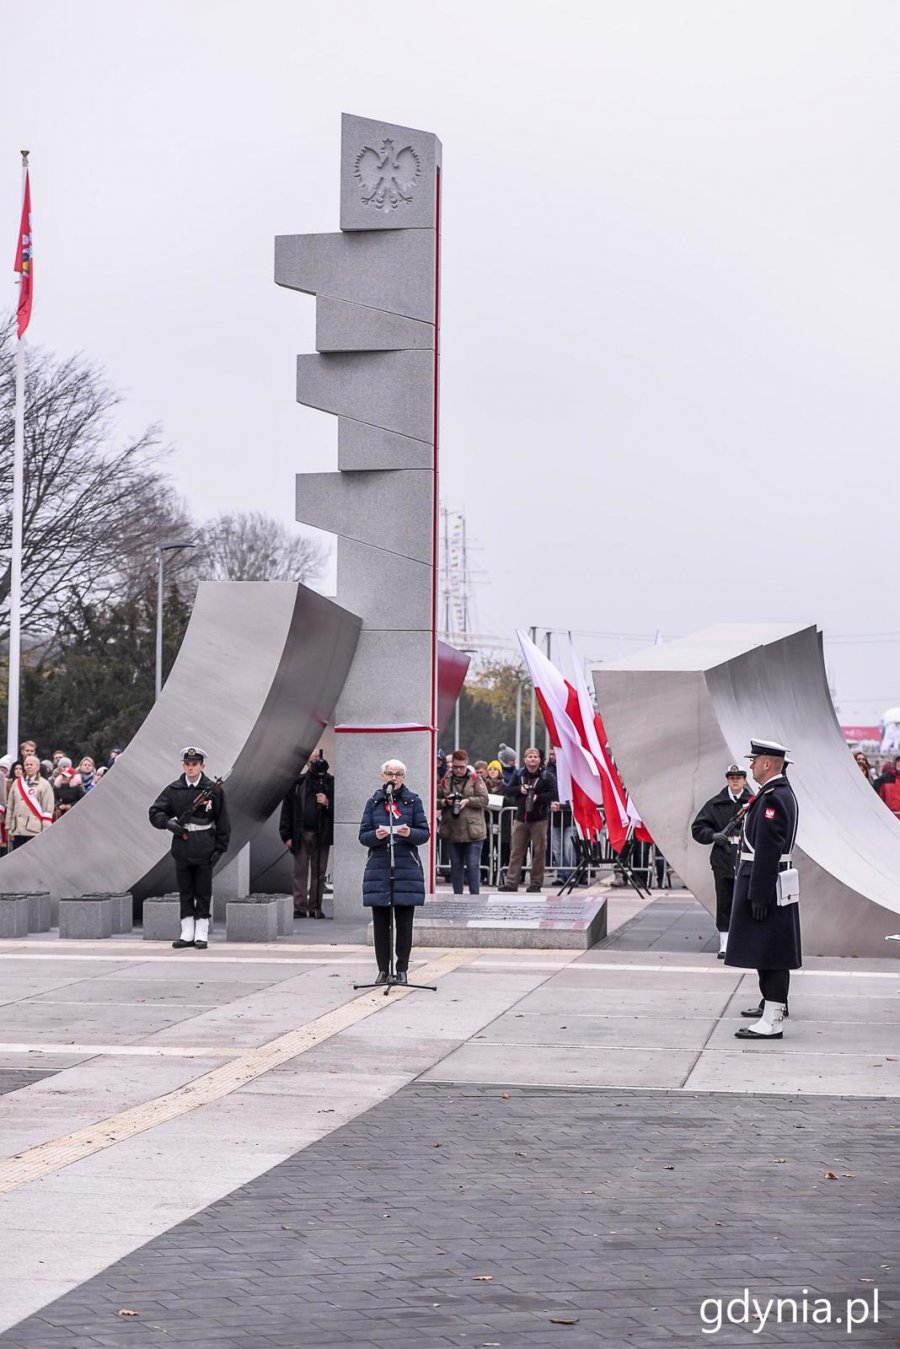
(560, 859)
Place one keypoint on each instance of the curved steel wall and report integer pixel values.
(677, 714)
(255, 682)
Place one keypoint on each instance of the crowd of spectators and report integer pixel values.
(466, 792)
(36, 792)
(886, 780)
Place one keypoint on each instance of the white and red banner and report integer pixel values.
(585, 772)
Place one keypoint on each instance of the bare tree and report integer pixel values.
(252, 546)
(94, 511)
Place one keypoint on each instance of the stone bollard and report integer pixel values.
(40, 911)
(14, 915)
(285, 906)
(252, 919)
(123, 908)
(82, 918)
(162, 918)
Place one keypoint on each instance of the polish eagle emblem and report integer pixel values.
(388, 176)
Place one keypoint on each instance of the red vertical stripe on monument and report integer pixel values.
(432, 785)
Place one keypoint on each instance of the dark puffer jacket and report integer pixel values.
(409, 878)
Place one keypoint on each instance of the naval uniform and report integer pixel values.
(771, 945)
(711, 819)
(199, 845)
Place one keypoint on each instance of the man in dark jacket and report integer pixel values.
(709, 827)
(765, 919)
(193, 809)
(307, 828)
(533, 789)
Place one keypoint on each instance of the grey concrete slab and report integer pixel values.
(363, 504)
(161, 918)
(341, 326)
(370, 579)
(811, 1037)
(362, 446)
(646, 1032)
(85, 919)
(537, 1065)
(189, 992)
(381, 697)
(559, 998)
(756, 1068)
(42, 1020)
(390, 389)
(392, 270)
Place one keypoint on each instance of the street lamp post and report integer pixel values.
(161, 550)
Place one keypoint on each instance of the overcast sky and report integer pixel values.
(670, 268)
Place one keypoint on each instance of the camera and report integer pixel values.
(455, 799)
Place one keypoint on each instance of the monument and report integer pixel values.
(677, 714)
(376, 367)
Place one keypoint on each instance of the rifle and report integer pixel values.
(205, 794)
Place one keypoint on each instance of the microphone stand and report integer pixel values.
(392, 972)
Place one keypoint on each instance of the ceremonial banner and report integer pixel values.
(24, 264)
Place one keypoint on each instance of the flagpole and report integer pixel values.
(15, 560)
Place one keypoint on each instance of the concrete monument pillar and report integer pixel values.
(377, 288)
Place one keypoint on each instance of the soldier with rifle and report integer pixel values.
(719, 823)
(193, 809)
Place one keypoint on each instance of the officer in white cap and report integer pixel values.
(193, 809)
(765, 921)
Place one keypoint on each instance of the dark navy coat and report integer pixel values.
(770, 828)
(409, 878)
(711, 819)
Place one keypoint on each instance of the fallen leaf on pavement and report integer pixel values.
(126, 1311)
(829, 1175)
(504, 1096)
(564, 1320)
(483, 1278)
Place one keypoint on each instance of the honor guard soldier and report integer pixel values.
(765, 921)
(193, 809)
(718, 823)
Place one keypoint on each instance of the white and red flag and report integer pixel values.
(24, 263)
(586, 774)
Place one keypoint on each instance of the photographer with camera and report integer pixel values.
(462, 800)
(533, 789)
(306, 827)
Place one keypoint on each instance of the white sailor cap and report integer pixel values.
(773, 748)
(193, 752)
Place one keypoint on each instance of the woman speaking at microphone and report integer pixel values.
(392, 828)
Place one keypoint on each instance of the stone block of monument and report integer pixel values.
(122, 910)
(376, 369)
(14, 911)
(83, 919)
(252, 919)
(40, 911)
(162, 918)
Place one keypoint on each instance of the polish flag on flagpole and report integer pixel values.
(586, 775)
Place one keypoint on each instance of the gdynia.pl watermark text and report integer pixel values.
(746, 1310)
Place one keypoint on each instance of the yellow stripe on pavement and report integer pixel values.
(58, 1153)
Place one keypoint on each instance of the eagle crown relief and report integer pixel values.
(388, 176)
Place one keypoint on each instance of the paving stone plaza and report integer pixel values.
(235, 1148)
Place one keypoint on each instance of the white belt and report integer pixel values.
(785, 857)
(195, 828)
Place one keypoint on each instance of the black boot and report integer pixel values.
(756, 1012)
(180, 944)
(401, 977)
(382, 977)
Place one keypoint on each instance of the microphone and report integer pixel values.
(389, 790)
